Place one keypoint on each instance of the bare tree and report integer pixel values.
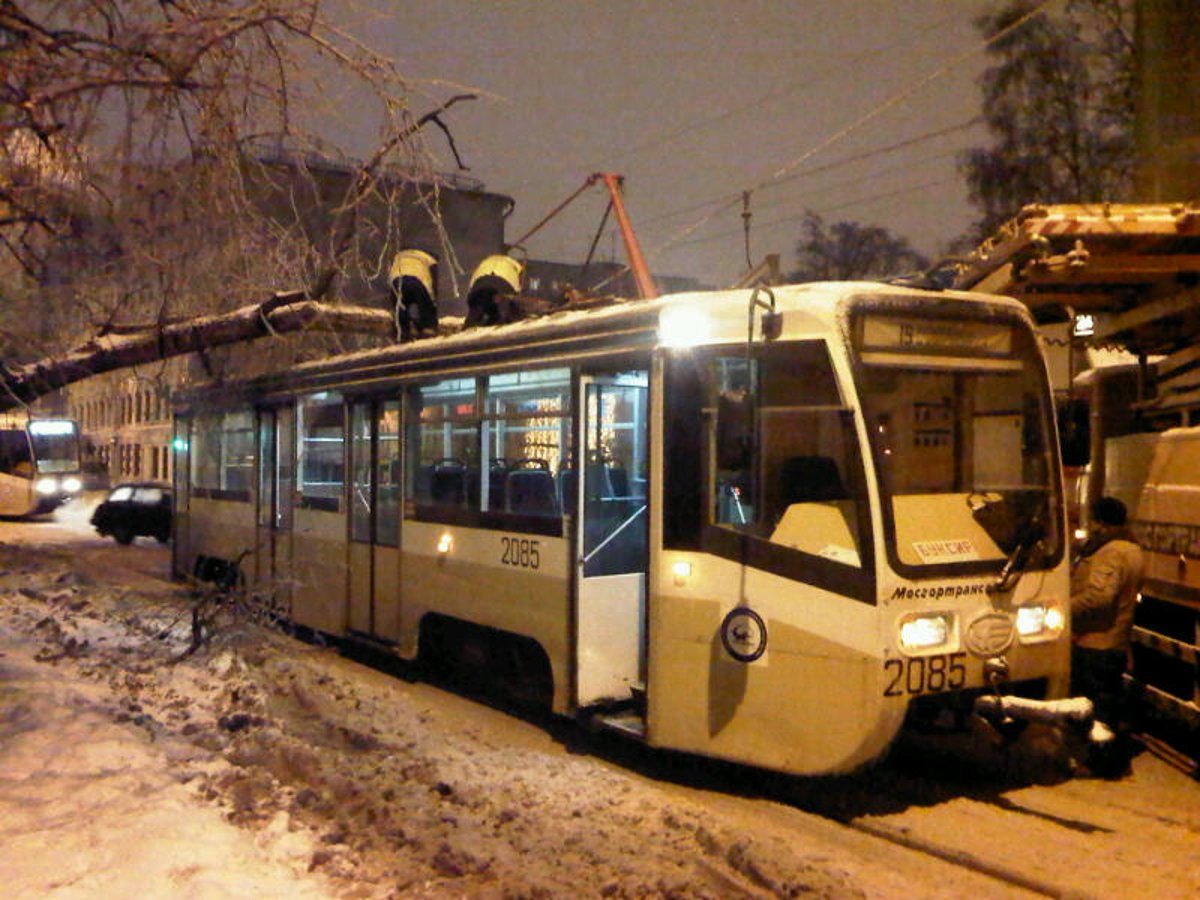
(1058, 101)
(847, 250)
(136, 137)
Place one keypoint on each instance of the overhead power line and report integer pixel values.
(828, 167)
(667, 138)
(899, 97)
(795, 217)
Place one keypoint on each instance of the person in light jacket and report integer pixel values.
(1104, 590)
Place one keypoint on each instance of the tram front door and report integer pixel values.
(612, 553)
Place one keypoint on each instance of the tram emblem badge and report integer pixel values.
(744, 634)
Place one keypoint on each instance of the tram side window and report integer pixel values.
(387, 467)
(238, 462)
(526, 431)
(443, 447)
(493, 452)
(785, 462)
(222, 455)
(322, 451)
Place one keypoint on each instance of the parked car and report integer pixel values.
(135, 509)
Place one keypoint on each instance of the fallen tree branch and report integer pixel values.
(283, 313)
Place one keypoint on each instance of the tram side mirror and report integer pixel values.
(1074, 433)
(735, 440)
(772, 325)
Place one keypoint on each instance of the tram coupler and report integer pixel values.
(1077, 712)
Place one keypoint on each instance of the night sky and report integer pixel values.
(694, 103)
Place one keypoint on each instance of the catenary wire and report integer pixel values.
(674, 135)
(894, 100)
(725, 235)
(828, 167)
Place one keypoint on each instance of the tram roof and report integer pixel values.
(572, 334)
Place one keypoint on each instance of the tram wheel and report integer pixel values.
(435, 648)
(507, 668)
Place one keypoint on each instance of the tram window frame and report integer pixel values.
(456, 428)
(473, 433)
(222, 455)
(549, 390)
(691, 496)
(321, 450)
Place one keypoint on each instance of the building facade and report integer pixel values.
(125, 416)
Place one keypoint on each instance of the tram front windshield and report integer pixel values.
(55, 445)
(958, 416)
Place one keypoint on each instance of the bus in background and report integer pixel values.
(39, 464)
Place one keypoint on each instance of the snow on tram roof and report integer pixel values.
(819, 304)
(820, 300)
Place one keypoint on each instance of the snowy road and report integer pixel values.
(262, 766)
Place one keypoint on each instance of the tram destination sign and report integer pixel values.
(920, 334)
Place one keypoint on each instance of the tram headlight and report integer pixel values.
(46, 485)
(683, 327)
(1040, 621)
(72, 485)
(926, 631)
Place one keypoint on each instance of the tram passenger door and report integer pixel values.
(375, 518)
(613, 537)
(276, 496)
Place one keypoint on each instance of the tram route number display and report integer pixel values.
(924, 674)
(521, 553)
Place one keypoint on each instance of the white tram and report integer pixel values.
(39, 464)
(763, 526)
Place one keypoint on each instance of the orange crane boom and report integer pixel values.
(637, 263)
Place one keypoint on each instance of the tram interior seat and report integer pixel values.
(567, 486)
(531, 491)
(810, 479)
(606, 480)
(618, 479)
(423, 483)
(448, 482)
(498, 472)
(599, 484)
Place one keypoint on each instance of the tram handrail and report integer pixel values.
(604, 543)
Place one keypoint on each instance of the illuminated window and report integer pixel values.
(491, 452)
(222, 456)
(321, 424)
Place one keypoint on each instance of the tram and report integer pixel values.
(39, 464)
(770, 526)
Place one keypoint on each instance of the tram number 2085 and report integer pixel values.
(925, 674)
(520, 552)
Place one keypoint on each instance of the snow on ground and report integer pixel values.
(263, 766)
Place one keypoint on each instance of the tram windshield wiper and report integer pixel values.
(1031, 536)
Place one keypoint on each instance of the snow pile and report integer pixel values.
(262, 766)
